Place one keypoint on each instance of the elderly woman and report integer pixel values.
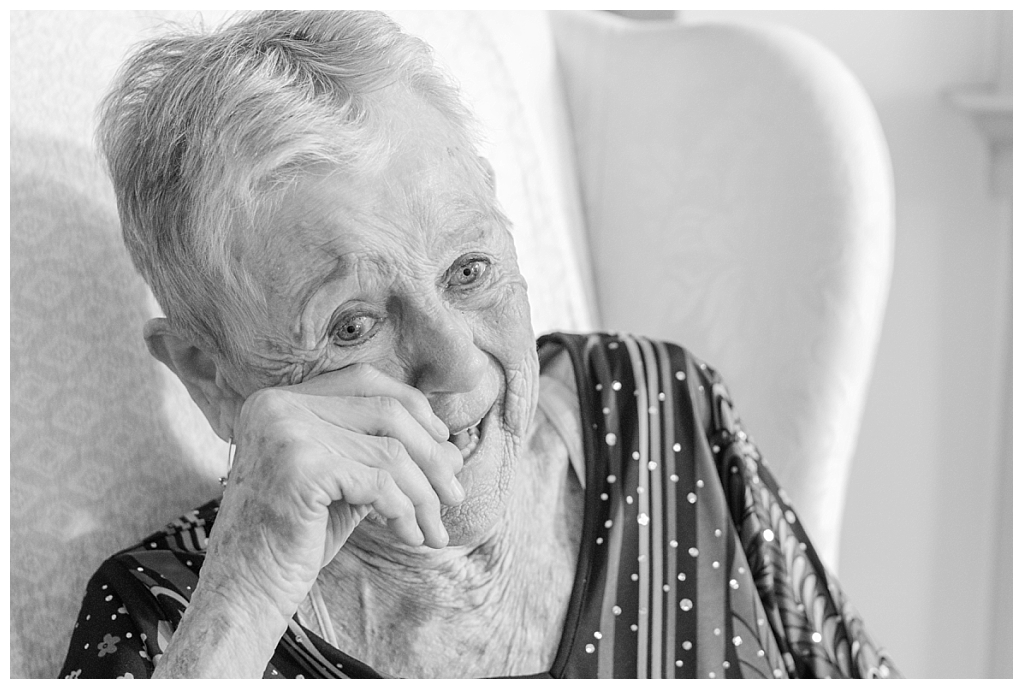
(419, 487)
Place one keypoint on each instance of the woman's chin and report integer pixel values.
(473, 521)
(487, 479)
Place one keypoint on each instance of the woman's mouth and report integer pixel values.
(467, 439)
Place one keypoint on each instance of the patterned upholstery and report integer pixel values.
(106, 446)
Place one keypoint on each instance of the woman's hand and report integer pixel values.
(312, 461)
(314, 458)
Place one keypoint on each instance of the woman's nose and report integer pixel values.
(446, 359)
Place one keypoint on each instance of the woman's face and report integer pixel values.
(409, 267)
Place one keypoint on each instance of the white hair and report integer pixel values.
(200, 129)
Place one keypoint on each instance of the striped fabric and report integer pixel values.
(692, 562)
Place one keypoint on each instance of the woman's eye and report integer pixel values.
(469, 272)
(353, 328)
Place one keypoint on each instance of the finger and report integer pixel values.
(390, 456)
(364, 485)
(409, 477)
(386, 417)
(363, 380)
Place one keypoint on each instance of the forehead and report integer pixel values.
(426, 185)
(413, 150)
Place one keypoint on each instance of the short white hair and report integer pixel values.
(201, 128)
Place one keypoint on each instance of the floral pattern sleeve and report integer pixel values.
(693, 563)
(819, 633)
(134, 602)
(106, 642)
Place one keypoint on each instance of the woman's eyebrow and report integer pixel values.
(473, 228)
(468, 215)
(450, 211)
(345, 268)
(342, 270)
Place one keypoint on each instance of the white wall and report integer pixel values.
(918, 546)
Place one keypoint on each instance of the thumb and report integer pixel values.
(343, 518)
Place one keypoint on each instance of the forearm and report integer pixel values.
(223, 633)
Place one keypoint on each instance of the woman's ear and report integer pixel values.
(199, 371)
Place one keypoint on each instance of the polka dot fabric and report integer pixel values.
(134, 602)
(692, 564)
(106, 639)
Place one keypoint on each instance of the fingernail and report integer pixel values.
(441, 429)
(457, 489)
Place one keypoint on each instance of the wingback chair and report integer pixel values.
(721, 186)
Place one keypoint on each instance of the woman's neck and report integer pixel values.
(494, 608)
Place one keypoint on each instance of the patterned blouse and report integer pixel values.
(692, 561)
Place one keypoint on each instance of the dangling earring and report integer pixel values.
(230, 461)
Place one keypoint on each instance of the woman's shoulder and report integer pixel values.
(136, 597)
(187, 533)
(587, 363)
(166, 562)
(640, 349)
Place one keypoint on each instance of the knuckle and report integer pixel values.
(263, 402)
(418, 401)
(394, 452)
(386, 406)
(269, 414)
(380, 479)
(441, 456)
(430, 501)
(362, 370)
(267, 406)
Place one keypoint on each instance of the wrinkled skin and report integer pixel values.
(396, 315)
(387, 253)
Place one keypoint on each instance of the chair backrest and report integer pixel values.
(105, 444)
(739, 200)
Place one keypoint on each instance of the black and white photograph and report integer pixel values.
(630, 344)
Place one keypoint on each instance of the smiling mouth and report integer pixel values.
(467, 439)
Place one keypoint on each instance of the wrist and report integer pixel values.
(228, 630)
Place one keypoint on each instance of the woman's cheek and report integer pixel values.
(279, 366)
(506, 321)
(377, 352)
(508, 336)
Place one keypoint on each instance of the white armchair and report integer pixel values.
(739, 200)
(724, 187)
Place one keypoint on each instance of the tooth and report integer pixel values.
(460, 439)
